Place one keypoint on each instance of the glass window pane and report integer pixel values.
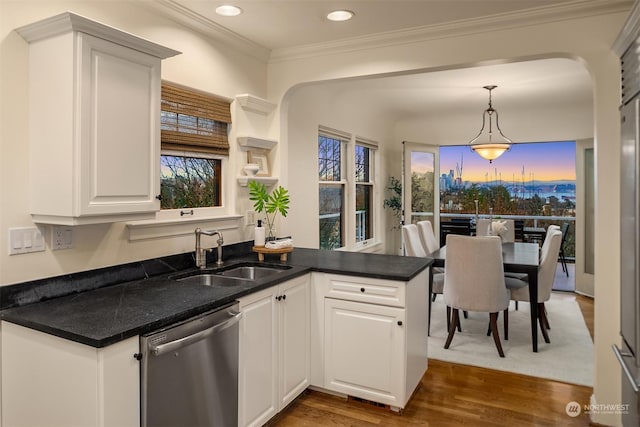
(364, 218)
(422, 185)
(331, 224)
(329, 159)
(363, 158)
(189, 182)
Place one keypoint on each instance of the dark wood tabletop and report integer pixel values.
(517, 257)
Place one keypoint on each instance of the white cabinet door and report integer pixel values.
(119, 121)
(274, 349)
(257, 388)
(364, 351)
(294, 308)
(50, 381)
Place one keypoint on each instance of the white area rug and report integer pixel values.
(568, 358)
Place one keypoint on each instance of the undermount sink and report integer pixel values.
(251, 272)
(208, 279)
(229, 276)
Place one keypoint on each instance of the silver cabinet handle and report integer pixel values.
(619, 355)
(157, 350)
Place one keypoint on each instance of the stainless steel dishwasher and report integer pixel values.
(189, 374)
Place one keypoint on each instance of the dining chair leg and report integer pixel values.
(505, 321)
(516, 305)
(429, 325)
(546, 316)
(452, 328)
(493, 320)
(541, 318)
(465, 313)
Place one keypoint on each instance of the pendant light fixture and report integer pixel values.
(489, 144)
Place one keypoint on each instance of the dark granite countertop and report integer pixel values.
(103, 316)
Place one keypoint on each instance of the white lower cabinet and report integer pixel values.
(274, 349)
(50, 381)
(364, 350)
(371, 338)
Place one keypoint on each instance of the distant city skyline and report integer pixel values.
(545, 161)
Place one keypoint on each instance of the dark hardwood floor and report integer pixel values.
(454, 395)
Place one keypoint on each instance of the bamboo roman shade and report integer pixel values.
(193, 121)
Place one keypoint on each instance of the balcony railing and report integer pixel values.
(530, 221)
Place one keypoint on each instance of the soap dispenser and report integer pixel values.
(258, 239)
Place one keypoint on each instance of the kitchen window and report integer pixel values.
(195, 148)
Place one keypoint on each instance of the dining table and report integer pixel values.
(517, 257)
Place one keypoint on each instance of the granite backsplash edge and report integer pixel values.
(53, 287)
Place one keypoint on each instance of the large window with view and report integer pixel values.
(534, 183)
(331, 190)
(194, 143)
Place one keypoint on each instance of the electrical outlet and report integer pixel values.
(251, 217)
(61, 238)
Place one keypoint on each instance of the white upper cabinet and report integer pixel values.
(94, 122)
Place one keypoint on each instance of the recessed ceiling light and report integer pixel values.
(228, 10)
(340, 15)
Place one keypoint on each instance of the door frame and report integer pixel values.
(407, 148)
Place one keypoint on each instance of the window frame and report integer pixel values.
(200, 212)
(191, 101)
(342, 183)
(372, 146)
(349, 185)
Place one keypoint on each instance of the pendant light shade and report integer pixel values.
(489, 144)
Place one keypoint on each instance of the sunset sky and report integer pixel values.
(547, 161)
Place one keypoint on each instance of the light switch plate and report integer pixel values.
(23, 240)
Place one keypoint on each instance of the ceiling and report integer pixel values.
(279, 25)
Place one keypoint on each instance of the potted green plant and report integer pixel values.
(394, 201)
(270, 204)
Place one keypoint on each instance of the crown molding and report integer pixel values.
(545, 14)
(208, 28)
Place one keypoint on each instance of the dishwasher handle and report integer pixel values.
(160, 349)
(627, 372)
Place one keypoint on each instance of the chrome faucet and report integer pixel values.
(201, 254)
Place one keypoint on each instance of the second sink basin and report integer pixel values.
(229, 276)
(251, 272)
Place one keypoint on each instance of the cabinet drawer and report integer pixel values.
(375, 291)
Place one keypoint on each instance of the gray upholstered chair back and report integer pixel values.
(428, 236)
(412, 242)
(474, 275)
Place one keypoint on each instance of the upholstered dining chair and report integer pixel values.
(430, 242)
(519, 289)
(483, 227)
(474, 281)
(414, 247)
(428, 236)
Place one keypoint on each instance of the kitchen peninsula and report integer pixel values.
(73, 355)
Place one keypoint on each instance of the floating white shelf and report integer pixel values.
(266, 180)
(249, 142)
(255, 104)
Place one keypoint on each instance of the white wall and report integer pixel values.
(311, 106)
(203, 64)
(588, 39)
